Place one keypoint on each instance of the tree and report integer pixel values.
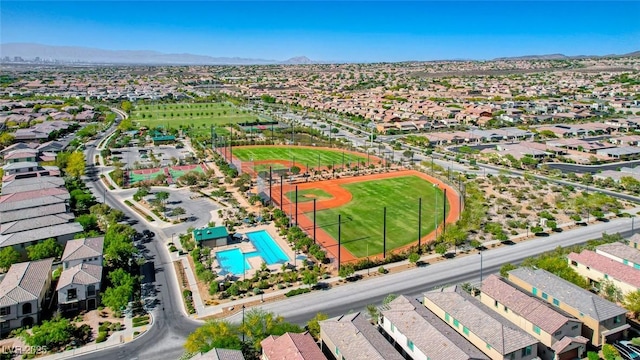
(46, 249)
(413, 258)
(178, 211)
(214, 334)
(441, 248)
(504, 270)
(141, 193)
(408, 154)
(632, 302)
(309, 278)
(117, 296)
(6, 139)
(118, 245)
(162, 196)
(610, 291)
(258, 324)
(8, 257)
(88, 221)
(389, 298)
(373, 312)
(75, 165)
(126, 106)
(346, 271)
(295, 170)
(609, 352)
(313, 325)
(52, 334)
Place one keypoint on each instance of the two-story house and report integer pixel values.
(422, 335)
(79, 284)
(598, 268)
(558, 332)
(23, 292)
(621, 253)
(602, 320)
(494, 335)
(351, 336)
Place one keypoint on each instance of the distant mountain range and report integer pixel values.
(565, 57)
(75, 54)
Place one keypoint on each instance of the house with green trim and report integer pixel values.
(211, 236)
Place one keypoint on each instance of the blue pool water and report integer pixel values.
(233, 261)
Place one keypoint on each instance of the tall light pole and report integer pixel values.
(480, 266)
(435, 211)
(243, 323)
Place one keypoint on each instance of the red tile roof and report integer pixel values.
(608, 266)
(291, 346)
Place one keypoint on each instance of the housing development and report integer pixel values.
(415, 210)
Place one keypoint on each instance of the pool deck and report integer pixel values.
(246, 246)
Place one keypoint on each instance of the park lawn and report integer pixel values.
(303, 156)
(362, 217)
(307, 195)
(185, 114)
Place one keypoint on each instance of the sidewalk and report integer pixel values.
(117, 338)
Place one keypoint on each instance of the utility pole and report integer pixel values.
(314, 221)
(384, 234)
(419, 225)
(339, 240)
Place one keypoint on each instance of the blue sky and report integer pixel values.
(331, 31)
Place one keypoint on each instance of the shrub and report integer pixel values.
(382, 270)
(102, 336)
(297, 292)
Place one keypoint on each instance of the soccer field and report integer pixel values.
(201, 116)
(303, 156)
(362, 217)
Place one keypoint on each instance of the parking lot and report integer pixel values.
(164, 153)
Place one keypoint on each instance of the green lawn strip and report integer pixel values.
(185, 114)
(303, 156)
(308, 195)
(362, 218)
(265, 167)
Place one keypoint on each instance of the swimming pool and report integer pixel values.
(231, 261)
(267, 248)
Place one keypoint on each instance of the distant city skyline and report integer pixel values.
(357, 31)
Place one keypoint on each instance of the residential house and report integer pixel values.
(219, 354)
(79, 284)
(21, 155)
(602, 320)
(620, 253)
(494, 335)
(598, 268)
(291, 346)
(620, 153)
(211, 236)
(23, 294)
(32, 184)
(558, 333)
(351, 336)
(422, 335)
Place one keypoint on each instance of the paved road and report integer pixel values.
(356, 296)
(592, 169)
(165, 338)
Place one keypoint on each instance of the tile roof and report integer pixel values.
(291, 346)
(503, 336)
(24, 281)
(559, 346)
(21, 196)
(634, 239)
(621, 251)
(357, 339)
(40, 234)
(580, 299)
(35, 223)
(81, 274)
(84, 248)
(30, 213)
(220, 354)
(32, 184)
(432, 336)
(530, 308)
(601, 263)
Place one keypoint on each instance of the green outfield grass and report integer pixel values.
(303, 156)
(307, 195)
(362, 218)
(201, 116)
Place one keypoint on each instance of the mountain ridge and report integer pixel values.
(81, 54)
